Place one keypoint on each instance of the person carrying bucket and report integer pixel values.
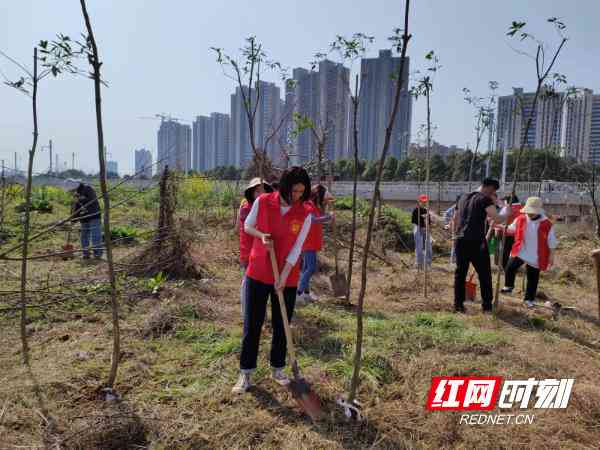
(471, 245)
(534, 246)
(252, 192)
(278, 221)
(319, 199)
(420, 216)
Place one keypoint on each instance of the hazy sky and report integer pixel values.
(157, 59)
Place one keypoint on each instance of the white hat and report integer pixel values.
(534, 205)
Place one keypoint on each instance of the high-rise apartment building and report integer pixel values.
(561, 121)
(266, 123)
(377, 91)
(576, 127)
(112, 169)
(218, 141)
(595, 131)
(174, 146)
(143, 163)
(200, 151)
(324, 97)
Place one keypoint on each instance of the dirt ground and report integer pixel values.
(180, 354)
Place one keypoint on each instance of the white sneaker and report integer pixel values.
(312, 297)
(529, 303)
(280, 377)
(301, 300)
(242, 385)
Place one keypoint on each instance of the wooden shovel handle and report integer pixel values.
(284, 316)
(596, 260)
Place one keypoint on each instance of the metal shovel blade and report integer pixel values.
(306, 398)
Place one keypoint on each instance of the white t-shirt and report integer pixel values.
(529, 248)
(294, 254)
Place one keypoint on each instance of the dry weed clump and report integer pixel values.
(170, 250)
(115, 427)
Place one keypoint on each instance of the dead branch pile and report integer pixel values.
(170, 251)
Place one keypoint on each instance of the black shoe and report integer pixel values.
(506, 290)
(459, 309)
(487, 310)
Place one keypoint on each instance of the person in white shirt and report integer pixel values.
(534, 246)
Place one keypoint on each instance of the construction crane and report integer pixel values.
(163, 118)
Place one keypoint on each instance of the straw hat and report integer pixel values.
(254, 182)
(534, 205)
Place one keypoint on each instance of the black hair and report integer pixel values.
(290, 177)
(514, 197)
(457, 199)
(491, 182)
(318, 195)
(275, 185)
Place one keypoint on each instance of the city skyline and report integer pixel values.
(130, 46)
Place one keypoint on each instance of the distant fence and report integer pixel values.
(553, 193)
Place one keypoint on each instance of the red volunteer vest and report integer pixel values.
(314, 240)
(543, 231)
(283, 230)
(245, 238)
(516, 212)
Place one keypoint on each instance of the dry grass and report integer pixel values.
(180, 358)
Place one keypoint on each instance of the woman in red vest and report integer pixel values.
(280, 220)
(319, 199)
(534, 246)
(253, 191)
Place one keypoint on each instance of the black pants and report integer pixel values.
(256, 297)
(533, 277)
(476, 253)
(510, 240)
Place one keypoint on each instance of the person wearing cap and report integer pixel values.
(320, 197)
(255, 188)
(422, 242)
(278, 222)
(85, 209)
(472, 212)
(534, 246)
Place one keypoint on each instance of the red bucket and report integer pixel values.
(470, 289)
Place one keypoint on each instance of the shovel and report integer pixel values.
(306, 398)
(339, 285)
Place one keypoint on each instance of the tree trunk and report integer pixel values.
(356, 103)
(363, 282)
(95, 63)
(514, 183)
(427, 206)
(27, 213)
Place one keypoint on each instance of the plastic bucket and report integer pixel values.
(470, 289)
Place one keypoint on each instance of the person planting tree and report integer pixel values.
(320, 197)
(420, 216)
(278, 221)
(255, 188)
(534, 246)
(86, 211)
